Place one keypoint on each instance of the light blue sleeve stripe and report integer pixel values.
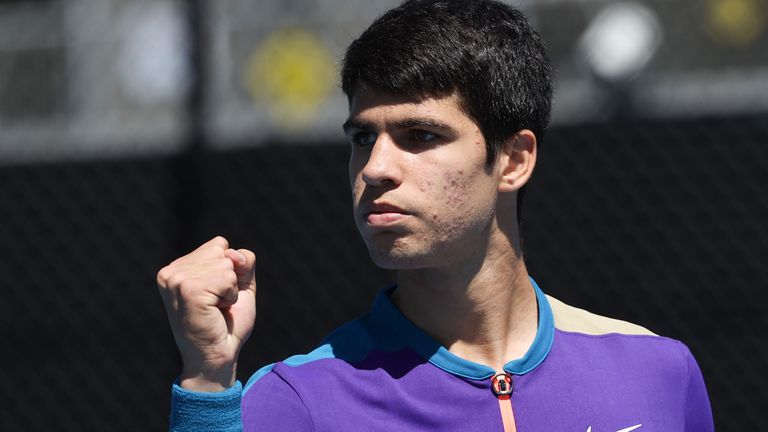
(351, 342)
(257, 375)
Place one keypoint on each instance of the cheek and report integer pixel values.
(356, 184)
(455, 188)
(426, 186)
(467, 199)
(451, 197)
(354, 170)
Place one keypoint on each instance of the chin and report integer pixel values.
(397, 258)
(396, 263)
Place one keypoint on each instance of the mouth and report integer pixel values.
(382, 214)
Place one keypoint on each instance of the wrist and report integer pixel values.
(208, 380)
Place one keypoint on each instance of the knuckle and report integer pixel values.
(248, 254)
(176, 280)
(227, 264)
(217, 250)
(187, 289)
(230, 279)
(162, 277)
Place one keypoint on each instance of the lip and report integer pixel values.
(383, 213)
(383, 207)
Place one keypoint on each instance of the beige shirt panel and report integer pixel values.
(572, 319)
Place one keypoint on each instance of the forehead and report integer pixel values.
(375, 106)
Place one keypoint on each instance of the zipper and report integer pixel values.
(503, 387)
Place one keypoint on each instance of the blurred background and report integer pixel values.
(131, 131)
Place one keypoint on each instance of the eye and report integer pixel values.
(362, 139)
(422, 136)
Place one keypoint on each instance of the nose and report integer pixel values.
(383, 165)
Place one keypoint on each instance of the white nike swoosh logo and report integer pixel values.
(629, 429)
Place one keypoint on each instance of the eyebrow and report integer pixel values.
(409, 123)
(356, 124)
(406, 123)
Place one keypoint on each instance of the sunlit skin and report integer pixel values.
(429, 206)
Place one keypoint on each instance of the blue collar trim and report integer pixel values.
(386, 315)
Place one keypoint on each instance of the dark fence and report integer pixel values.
(660, 223)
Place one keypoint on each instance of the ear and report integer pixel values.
(517, 161)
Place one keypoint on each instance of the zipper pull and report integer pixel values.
(502, 385)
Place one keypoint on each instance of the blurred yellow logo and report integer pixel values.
(292, 72)
(736, 22)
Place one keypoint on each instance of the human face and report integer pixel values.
(422, 193)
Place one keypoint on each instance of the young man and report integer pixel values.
(448, 100)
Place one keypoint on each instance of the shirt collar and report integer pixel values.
(387, 316)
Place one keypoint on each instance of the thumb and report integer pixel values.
(245, 263)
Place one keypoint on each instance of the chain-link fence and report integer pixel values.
(655, 222)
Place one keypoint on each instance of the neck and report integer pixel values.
(483, 310)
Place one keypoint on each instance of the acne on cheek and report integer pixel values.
(455, 189)
(426, 186)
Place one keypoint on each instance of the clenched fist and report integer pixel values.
(210, 297)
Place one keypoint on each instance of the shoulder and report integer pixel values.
(346, 363)
(626, 368)
(277, 392)
(604, 340)
(572, 319)
(351, 343)
(611, 344)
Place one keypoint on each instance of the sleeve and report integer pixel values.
(271, 404)
(193, 411)
(698, 413)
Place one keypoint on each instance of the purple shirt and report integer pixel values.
(582, 373)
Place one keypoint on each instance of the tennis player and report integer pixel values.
(448, 103)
